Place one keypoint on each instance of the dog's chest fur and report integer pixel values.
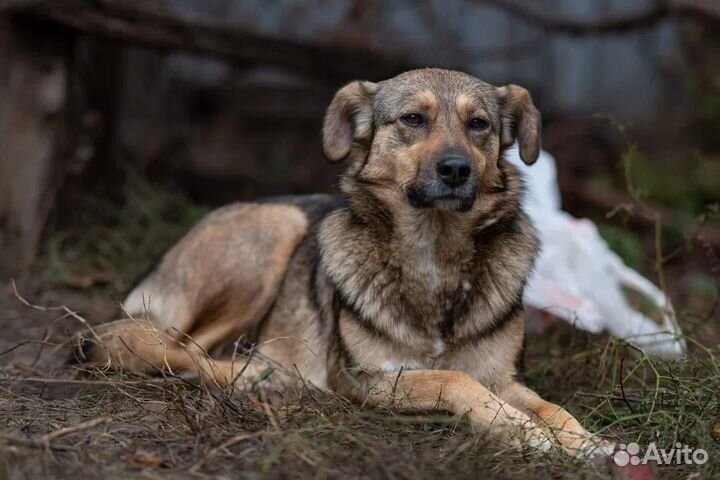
(420, 299)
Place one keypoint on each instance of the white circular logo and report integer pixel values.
(627, 454)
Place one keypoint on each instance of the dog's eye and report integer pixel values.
(413, 119)
(478, 124)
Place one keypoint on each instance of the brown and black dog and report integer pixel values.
(405, 290)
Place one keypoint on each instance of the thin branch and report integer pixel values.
(578, 190)
(44, 441)
(536, 14)
(63, 308)
(149, 24)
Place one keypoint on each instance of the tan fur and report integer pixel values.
(522, 122)
(392, 294)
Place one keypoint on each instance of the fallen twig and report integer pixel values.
(45, 440)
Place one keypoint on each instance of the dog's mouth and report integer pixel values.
(450, 199)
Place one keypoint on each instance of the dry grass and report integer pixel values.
(91, 423)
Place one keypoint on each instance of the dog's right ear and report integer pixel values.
(348, 119)
(521, 121)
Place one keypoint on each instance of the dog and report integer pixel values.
(405, 290)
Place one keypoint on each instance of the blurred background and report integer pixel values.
(122, 122)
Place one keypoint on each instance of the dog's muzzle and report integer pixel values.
(451, 186)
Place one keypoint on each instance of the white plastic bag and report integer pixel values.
(579, 279)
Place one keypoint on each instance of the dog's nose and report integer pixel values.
(453, 171)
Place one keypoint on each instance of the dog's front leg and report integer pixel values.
(458, 393)
(563, 427)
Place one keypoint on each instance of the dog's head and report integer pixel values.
(430, 138)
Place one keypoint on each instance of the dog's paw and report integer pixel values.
(595, 449)
(539, 443)
(532, 439)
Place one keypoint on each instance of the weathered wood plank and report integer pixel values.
(33, 89)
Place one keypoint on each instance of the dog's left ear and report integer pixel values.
(521, 121)
(348, 119)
